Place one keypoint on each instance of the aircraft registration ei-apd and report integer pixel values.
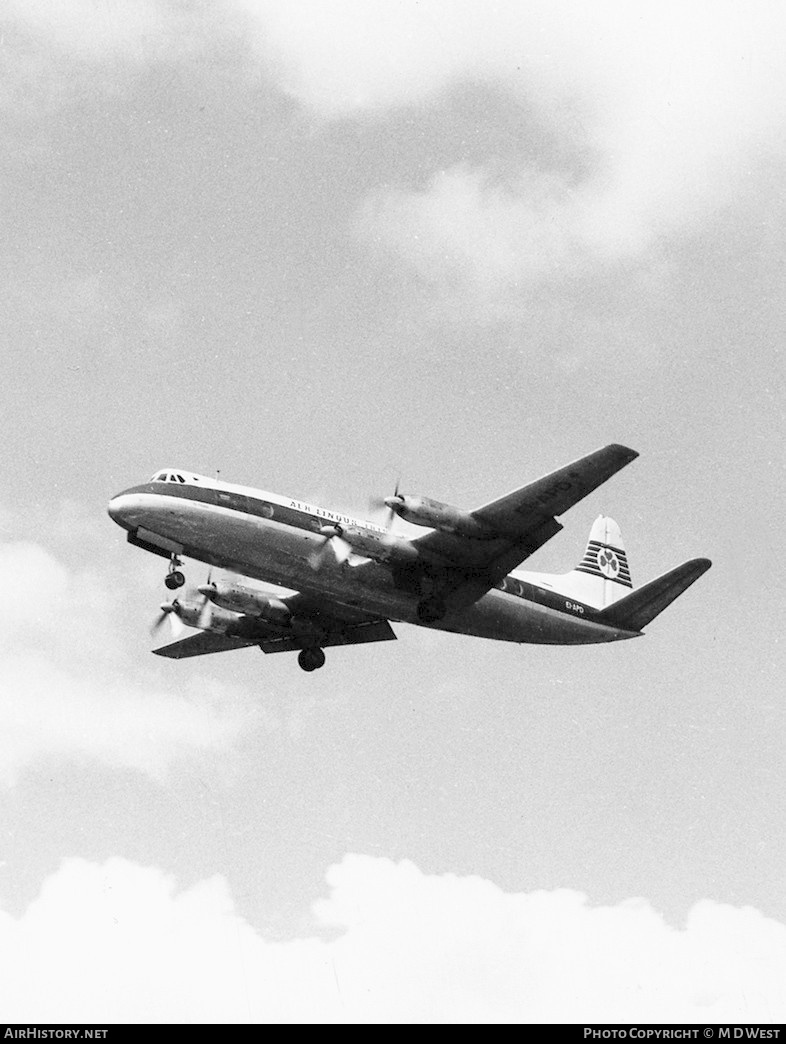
(349, 579)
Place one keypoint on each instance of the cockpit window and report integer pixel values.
(171, 476)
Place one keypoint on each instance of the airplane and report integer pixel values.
(348, 579)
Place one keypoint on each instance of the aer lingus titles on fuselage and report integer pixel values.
(348, 578)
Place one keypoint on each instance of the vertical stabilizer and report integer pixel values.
(605, 558)
(602, 577)
(603, 574)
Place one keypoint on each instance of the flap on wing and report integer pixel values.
(200, 644)
(355, 634)
(515, 514)
(321, 608)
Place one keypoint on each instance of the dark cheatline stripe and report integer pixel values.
(235, 502)
(541, 596)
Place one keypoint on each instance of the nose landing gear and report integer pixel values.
(311, 659)
(174, 577)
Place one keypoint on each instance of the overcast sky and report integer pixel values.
(318, 244)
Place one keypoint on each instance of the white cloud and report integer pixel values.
(69, 690)
(666, 109)
(665, 104)
(117, 942)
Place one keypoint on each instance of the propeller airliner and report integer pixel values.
(349, 579)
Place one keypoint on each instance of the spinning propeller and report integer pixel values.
(377, 503)
(172, 611)
(206, 607)
(187, 614)
(333, 544)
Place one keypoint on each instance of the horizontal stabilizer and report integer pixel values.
(636, 610)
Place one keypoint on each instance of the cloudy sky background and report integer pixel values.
(317, 245)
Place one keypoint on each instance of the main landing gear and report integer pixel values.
(311, 659)
(174, 577)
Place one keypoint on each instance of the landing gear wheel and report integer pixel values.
(310, 659)
(174, 580)
(430, 610)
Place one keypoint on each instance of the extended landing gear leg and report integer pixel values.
(174, 577)
(431, 609)
(311, 659)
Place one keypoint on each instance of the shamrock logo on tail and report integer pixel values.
(608, 563)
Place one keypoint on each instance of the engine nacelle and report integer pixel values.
(216, 619)
(423, 511)
(247, 601)
(375, 544)
(379, 546)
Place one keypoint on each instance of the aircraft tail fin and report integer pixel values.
(603, 576)
(634, 611)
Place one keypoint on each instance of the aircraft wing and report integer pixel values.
(327, 632)
(523, 510)
(351, 634)
(200, 644)
(519, 523)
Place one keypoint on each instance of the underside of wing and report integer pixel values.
(201, 644)
(319, 609)
(353, 634)
(316, 624)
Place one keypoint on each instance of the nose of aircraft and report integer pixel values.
(115, 508)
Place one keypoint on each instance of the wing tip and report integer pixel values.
(625, 453)
(701, 565)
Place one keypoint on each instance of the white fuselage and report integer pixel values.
(274, 539)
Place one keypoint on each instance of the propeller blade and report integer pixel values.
(378, 503)
(319, 557)
(207, 590)
(333, 545)
(166, 610)
(205, 615)
(176, 625)
(341, 549)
